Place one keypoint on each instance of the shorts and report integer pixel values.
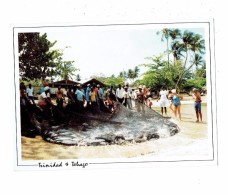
(197, 106)
(177, 104)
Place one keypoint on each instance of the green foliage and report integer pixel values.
(160, 74)
(34, 82)
(188, 85)
(36, 59)
(65, 70)
(114, 81)
(131, 74)
(200, 72)
(187, 48)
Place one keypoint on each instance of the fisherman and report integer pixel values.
(145, 94)
(45, 83)
(44, 98)
(111, 94)
(80, 98)
(30, 91)
(87, 93)
(140, 100)
(140, 95)
(119, 94)
(100, 97)
(23, 96)
(71, 96)
(59, 98)
(93, 99)
(127, 98)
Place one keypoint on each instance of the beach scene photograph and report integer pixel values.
(114, 93)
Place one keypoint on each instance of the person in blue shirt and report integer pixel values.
(88, 89)
(100, 92)
(80, 97)
(100, 97)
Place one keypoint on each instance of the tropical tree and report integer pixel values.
(66, 70)
(187, 49)
(187, 39)
(200, 71)
(195, 43)
(158, 73)
(177, 51)
(175, 33)
(123, 74)
(136, 72)
(36, 58)
(113, 81)
(130, 74)
(165, 34)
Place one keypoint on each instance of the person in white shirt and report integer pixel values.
(127, 98)
(163, 100)
(29, 92)
(120, 94)
(44, 97)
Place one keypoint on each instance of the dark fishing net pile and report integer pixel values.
(125, 126)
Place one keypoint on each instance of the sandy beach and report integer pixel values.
(192, 142)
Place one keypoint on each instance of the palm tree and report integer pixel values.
(136, 72)
(187, 39)
(198, 44)
(176, 46)
(174, 34)
(165, 34)
(177, 49)
(66, 70)
(198, 60)
(130, 74)
(123, 74)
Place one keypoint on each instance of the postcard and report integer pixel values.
(114, 95)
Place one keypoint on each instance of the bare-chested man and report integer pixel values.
(59, 97)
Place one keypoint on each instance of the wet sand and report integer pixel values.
(190, 143)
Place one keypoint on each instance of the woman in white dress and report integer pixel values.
(163, 100)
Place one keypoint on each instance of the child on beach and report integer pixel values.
(176, 103)
(150, 104)
(197, 104)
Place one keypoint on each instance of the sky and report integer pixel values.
(109, 50)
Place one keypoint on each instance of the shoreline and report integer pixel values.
(191, 142)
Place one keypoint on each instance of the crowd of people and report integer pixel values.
(96, 99)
